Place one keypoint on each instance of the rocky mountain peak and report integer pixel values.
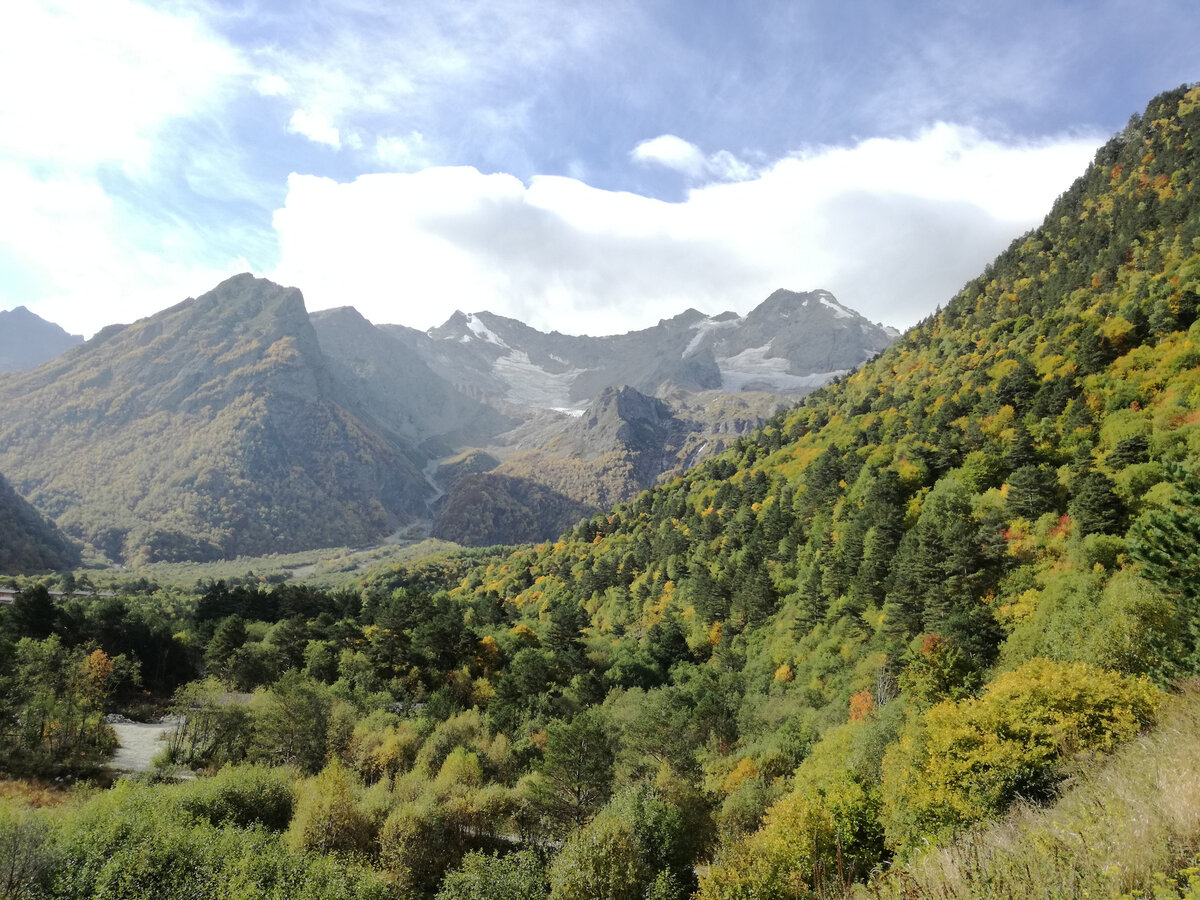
(790, 343)
(633, 406)
(27, 340)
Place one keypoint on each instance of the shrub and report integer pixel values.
(327, 817)
(27, 858)
(968, 760)
(242, 796)
(635, 846)
(418, 843)
(516, 876)
(1115, 832)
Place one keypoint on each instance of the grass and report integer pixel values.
(330, 568)
(35, 792)
(1129, 827)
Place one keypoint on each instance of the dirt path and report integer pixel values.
(140, 743)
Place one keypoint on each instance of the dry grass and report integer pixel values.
(36, 793)
(1124, 824)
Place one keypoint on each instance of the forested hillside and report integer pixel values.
(28, 543)
(1009, 484)
(822, 662)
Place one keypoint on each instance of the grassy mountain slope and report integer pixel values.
(206, 431)
(1124, 826)
(1061, 383)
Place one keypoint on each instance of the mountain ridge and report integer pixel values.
(222, 402)
(691, 350)
(27, 340)
(220, 425)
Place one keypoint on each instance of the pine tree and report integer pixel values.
(1167, 544)
(1095, 507)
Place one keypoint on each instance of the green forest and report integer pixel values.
(935, 632)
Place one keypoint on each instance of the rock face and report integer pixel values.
(27, 340)
(236, 423)
(386, 384)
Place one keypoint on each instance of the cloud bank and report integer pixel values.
(893, 227)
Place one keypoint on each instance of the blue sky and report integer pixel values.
(584, 167)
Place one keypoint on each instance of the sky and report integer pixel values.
(586, 168)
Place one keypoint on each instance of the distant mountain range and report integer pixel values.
(790, 343)
(237, 423)
(27, 340)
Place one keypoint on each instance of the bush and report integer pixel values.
(328, 818)
(516, 876)
(819, 836)
(27, 857)
(242, 796)
(636, 845)
(384, 753)
(1114, 832)
(965, 761)
(418, 843)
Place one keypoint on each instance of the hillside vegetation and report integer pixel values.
(830, 660)
(28, 543)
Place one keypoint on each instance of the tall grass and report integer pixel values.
(1129, 826)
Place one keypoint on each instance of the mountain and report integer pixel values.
(28, 543)
(790, 343)
(209, 430)
(626, 441)
(911, 597)
(595, 420)
(392, 388)
(236, 423)
(27, 340)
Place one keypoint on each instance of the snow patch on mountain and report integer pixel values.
(482, 331)
(754, 369)
(838, 310)
(705, 327)
(531, 385)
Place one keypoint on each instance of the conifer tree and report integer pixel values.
(1167, 544)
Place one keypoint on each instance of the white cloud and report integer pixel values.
(272, 86)
(96, 81)
(672, 152)
(724, 166)
(462, 74)
(93, 266)
(97, 98)
(314, 126)
(892, 226)
(683, 156)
